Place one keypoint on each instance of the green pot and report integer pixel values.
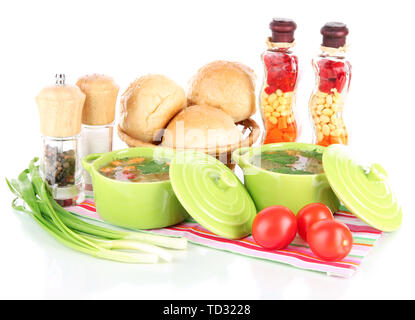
(136, 205)
(290, 190)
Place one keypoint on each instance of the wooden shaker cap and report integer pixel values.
(101, 96)
(60, 110)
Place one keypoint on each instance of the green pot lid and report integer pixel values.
(365, 192)
(212, 194)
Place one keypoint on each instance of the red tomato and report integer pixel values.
(274, 227)
(330, 239)
(309, 214)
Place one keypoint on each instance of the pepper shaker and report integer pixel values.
(97, 117)
(333, 73)
(60, 109)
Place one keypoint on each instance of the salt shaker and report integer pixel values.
(97, 117)
(60, 109)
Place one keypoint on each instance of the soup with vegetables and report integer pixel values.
(290, 161)
(138, 169)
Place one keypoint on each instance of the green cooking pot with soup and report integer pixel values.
(126, 199)
(270, 181)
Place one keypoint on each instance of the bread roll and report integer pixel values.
(226, 85)
(101, 96)
(148, 105)
(200, 127)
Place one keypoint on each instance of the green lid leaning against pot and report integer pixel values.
(365, 193)
(212, 194)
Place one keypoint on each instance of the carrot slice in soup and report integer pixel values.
(135, 160)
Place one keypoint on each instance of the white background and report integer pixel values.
(127, 39)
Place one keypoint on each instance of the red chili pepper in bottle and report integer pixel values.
(278, 92)
(333, 73)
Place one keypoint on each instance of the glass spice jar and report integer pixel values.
(277, 97)
(333, 73)
(61, 168)
(60, 109)
(98, 117)
(95, 139)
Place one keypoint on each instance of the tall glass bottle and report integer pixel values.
(277, 97)
(333, 73)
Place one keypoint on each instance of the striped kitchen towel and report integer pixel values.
(297, 254)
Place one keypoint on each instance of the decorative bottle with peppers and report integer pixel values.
(333, 74)
(60, 109)
(277, 97)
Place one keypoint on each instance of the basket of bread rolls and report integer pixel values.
(213, 118)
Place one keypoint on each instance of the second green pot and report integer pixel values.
(293, 191)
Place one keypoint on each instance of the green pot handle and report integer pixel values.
(89, 160)
(377, 173)
(237, 154)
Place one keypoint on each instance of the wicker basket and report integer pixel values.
(248, 127)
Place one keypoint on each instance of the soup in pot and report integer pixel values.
(290, 161)
(137, 169)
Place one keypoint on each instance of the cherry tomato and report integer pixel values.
(274, 227)
(309, 214)
(330, 239)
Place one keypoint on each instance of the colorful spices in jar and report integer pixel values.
(333, 74)
(59, 166)
(278, 93)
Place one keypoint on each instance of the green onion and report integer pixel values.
(80, 235)
(133, 245)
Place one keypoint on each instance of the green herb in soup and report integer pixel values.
(290, 161)
(139, 169)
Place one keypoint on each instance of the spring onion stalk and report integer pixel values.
(133, 245)
(80, 235)
(100, 252)
(166, 242)
(65, 238)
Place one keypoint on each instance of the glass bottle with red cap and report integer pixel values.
(278, 92)
(333, 72)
